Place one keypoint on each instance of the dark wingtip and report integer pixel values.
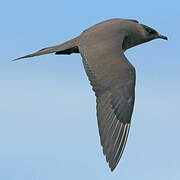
(112, 168)
(17, 59)
(27, 56)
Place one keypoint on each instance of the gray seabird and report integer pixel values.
(111, 75)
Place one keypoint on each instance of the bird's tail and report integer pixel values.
(65, 48)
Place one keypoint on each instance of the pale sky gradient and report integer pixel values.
(48, 121)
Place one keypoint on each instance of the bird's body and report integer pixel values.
(111, 75)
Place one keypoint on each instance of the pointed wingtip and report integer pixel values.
(38, 53)
(112, 166)
(17, 59)
(27, 56)
(112, 169)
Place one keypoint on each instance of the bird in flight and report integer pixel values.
(111, 75)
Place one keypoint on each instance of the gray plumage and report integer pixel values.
(111, 75)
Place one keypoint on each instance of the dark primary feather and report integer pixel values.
(113, 80)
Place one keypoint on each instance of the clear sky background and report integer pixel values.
(48, 127)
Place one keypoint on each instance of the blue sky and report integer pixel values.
(48, 119)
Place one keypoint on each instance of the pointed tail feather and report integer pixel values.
(62, 47)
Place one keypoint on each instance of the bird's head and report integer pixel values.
(139, 34)
(150, 34)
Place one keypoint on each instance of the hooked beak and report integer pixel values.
(162, 37)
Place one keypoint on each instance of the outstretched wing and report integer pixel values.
(113, 80)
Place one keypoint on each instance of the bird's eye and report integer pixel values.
(151, 31)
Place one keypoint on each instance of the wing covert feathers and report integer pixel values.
(113, 80)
